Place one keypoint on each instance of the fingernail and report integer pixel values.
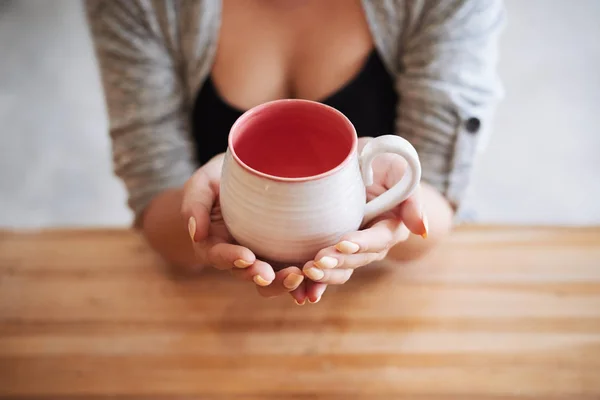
(192, 227)
(327, 262)
(425, 225)
(347, 247)
(292, 281)
(314, 273)
(260, 281)
(241, 263)
(316, 301)
(300, 304)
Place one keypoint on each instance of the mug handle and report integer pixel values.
(401, 190)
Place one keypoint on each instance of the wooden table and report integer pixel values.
(496, 313)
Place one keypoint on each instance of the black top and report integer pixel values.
(368, 100)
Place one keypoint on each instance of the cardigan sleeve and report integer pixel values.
(448, 86)
(137, 55)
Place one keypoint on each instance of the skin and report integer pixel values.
(304, 49)
(290, 56)
(186, 228)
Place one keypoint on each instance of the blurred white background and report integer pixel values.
(542, 165)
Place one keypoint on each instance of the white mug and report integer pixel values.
(293, 183)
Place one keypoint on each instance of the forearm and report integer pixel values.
(166, 232)
(439, 215)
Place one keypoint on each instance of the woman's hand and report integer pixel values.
(334, 265)
(214, 246)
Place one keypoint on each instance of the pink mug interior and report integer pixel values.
(292, 140)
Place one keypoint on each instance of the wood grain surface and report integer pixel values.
(494, 313)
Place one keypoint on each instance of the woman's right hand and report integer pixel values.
(214, 246)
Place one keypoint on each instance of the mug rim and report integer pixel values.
(236, 127)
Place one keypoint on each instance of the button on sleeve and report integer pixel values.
(449, 88)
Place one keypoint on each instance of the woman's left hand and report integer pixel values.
(334, 265)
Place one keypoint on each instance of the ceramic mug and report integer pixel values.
(292, 182)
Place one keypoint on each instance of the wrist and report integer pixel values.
(166, 232)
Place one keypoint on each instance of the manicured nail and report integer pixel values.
(314, 273)
(347, 247)
(260, 281)
(241, 263)
(327, 262)
(425, 225)
(300, 304)
(316, 301)
(192, 227)
(292, 281)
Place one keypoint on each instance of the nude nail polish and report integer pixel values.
(241, 263)
(260, 281)
(327, 262)
(347, 247)
(314, 273)
(292, 281)
(192, 227)
(425, 226)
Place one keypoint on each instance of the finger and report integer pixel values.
(412, 215)
(197, 203)
(227, 256)
(261, 273)
(286, 280)
(330, 258)
(376, 239)
(299, 294)
(335, 276)
(314, 291)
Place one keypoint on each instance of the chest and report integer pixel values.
(270, 49)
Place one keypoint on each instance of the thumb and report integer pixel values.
(413, 216)
(197, 203)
